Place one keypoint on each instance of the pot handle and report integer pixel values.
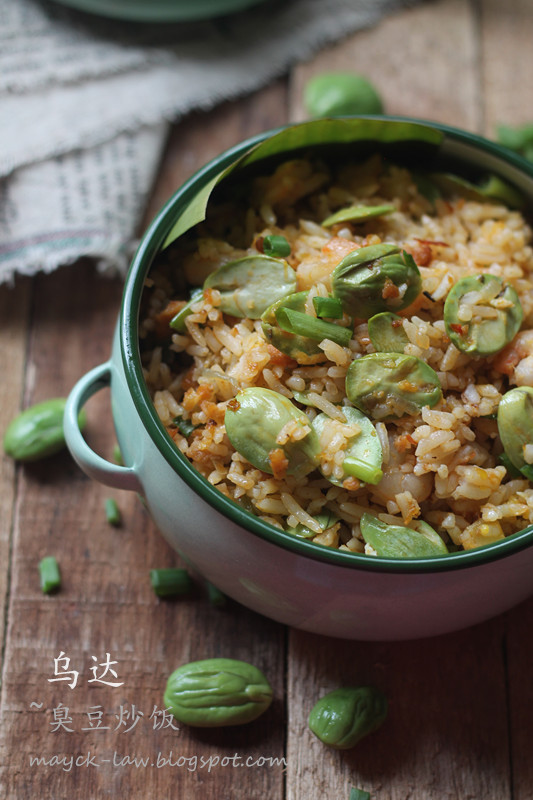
(90, 462)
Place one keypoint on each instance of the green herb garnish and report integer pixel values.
(305, 325)
(276, 246)
(112, 512)
(170, 582)
(369, 473)
(215, 596)
(184, 426)
(527, 471)
(49, 574)
(330, 307)
(513, 471)
(359, 794)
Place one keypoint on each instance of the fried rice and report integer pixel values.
(441, 465)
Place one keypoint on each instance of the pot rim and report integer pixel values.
(149, 246)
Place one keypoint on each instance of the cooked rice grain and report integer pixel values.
(441, 465)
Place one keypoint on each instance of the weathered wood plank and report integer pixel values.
(445, 735)
(519, 654)
(443, 738)
(506, 59)
(14, 313)
(69, 335)
(423, 61)
(507, 66)
(106, 604)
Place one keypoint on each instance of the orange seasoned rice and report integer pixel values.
(441, 465)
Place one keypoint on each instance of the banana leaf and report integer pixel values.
(294, 138)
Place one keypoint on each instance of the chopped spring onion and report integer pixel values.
(112, 512)
(49, 574)
(359, 794)
(301, 397)
(215, 596)
(330, 307)
(512, 471)
(305, 325)
(527, 471)
(325, 520)
(117, 455)
(276, 246)
(170, 582)
(368, 473)
(184, 426)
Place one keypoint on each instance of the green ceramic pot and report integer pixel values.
(292, 580)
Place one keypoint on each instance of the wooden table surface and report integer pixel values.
(460, 723)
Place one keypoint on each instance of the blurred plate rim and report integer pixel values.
(159, 10)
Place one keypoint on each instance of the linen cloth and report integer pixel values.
(85, 106)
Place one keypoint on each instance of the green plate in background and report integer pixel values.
(160, 10)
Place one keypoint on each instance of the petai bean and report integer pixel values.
(398, 541)
(255, 423)
(249, 285)
(515, 424)
(38, 431)
(344, 716)
(217, 692)
(482, 314)
(389, 385)
(376, 278)
(363, 453)
(340, 93)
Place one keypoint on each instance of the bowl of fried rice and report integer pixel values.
(322, 374)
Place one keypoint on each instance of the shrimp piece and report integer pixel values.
(516, 359)
(337, 247)
(310, 272)
(394, 481)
